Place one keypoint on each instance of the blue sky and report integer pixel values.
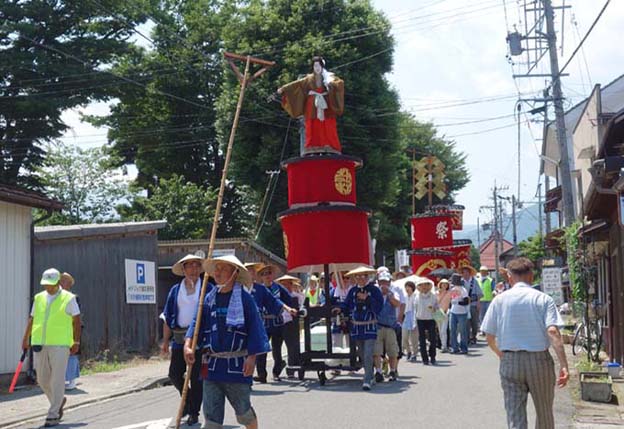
(452, 52)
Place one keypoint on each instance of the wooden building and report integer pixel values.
(604, 235)
(169, 252)
(16, 267)
(96, 255)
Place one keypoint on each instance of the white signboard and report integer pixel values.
(140, 282)
(223, 252)
(551, 281)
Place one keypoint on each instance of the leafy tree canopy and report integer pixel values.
(86, 183)
(51, 59)
(187, 207)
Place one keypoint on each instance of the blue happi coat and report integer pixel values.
(363, 311)
(272, 321)
(265, 301)
(216, 337)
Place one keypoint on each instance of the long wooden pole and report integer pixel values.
(213, 236)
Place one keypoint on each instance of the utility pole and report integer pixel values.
(564, 162)
(513, 220)
(547, 188)
(495, 232)
(540, 208)
(478, 234)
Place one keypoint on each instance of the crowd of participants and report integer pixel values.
(386, 316)
(250, 310)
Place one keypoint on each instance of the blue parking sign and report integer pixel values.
(140, 273)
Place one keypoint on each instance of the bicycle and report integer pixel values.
(588, 333)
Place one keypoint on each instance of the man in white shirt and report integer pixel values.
(520, 326)
(179, 312)
(426, 305)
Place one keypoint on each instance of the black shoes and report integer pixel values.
(392, 376)
(379, 377)
(192, 420)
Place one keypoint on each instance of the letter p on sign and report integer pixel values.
(140, 273)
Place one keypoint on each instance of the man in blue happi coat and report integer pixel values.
(273, 321)
(232, 336)
(363, 304)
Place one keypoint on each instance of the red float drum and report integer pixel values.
(337, 235)
(432, 230)
(321, 178)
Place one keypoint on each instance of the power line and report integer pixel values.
(584, 38)
(132, 81)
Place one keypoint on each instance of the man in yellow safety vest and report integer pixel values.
(53, 331)
(489, 288)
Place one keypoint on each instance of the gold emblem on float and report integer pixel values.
(343, 181)
(285, 244)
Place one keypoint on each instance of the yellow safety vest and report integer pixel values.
(313, 299)
(57, 329)
(486, 287)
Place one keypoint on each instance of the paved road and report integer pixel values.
(461, 392)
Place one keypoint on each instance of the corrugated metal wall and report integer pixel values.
(14, 281)
(97, 264)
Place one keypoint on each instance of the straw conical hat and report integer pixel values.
(243, 275)
(178, 267)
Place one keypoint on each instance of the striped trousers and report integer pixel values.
(523, 373)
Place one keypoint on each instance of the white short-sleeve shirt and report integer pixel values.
(520, 318)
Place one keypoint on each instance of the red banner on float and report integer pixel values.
(432, 231)
(329, 178)
(461, 255)
(458, 219)
(424, 264)
(325, 235)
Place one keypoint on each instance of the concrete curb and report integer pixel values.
(146, 385)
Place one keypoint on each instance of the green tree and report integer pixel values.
(475, 257)
(188, 208)
(52, 55)
(418, 140)
(169, 129)
(291, 33)
(533, 248)
(85, 181)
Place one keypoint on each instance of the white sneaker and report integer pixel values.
(71, 385)
(366, 387)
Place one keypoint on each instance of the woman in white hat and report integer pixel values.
(229, 351)
(179, 311)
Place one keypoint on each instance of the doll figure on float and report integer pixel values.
(319, 99)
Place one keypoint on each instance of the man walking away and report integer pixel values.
(520, 326)
(54, 332)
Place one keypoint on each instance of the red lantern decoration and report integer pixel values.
(314, 236)
(432, 231)
(321, 178)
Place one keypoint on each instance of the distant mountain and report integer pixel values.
(527, 226)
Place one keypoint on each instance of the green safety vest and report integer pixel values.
(486, 287)
(57, 329)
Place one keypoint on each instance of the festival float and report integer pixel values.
(323, 229)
